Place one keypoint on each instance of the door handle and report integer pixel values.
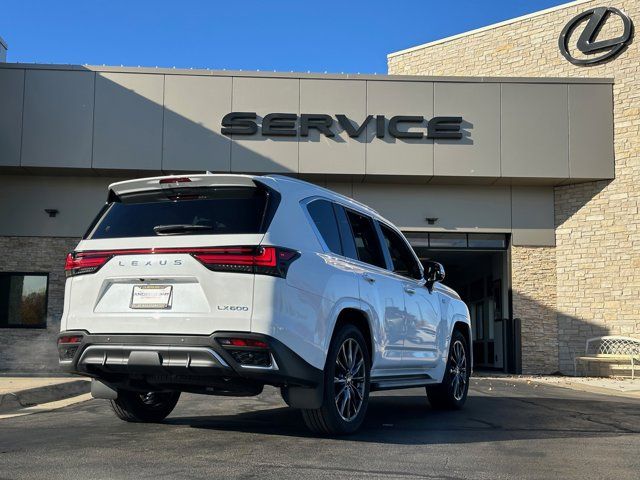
(409, 290)
(368, 278)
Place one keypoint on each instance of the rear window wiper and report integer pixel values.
(178, 229)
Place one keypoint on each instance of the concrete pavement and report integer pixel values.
(507, 430)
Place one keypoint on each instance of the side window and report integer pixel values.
(348, 244)
(404, 262)
(366, 239)
(322, 214)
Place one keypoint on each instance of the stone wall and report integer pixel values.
(25, 349)
(533, 283)
(597, 252)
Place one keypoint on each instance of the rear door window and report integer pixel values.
(346, 236)
(324, 218)
(366, 239)
(185, 211)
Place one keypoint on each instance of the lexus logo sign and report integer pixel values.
(595, 49)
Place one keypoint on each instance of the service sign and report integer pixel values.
(291, 125)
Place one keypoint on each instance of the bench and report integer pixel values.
(611, 349)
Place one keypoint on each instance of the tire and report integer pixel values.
(451, 394)
(347, 376)
(144, 407)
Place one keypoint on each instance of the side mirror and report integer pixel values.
(434, 272)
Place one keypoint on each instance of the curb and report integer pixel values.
(568, 384)
(50, 393)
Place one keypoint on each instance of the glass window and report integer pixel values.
(321, 212)
(23, 300)
(191, 211)
(348, 244)
(487, 240)
(448, 240)
(404, 262)
(417, 239)
(366, 239)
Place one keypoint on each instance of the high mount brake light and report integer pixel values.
(174, 180)
(272, 261)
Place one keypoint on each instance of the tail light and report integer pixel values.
(85, 262)
(243, 342)
(68, 346)
(274, 261)
(248, 352)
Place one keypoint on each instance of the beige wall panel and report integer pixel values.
(340, 154)
(256, 153)
(463, 208)
(58, 119)
(393, 156)
(477, 154)
(535, 131)
(533, 216)
(128, 121)
(77, 199)
(11, 97)
(591, 131)
(193, 110)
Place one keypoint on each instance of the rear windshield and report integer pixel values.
(185, 211)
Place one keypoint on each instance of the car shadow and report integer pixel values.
(408, 420)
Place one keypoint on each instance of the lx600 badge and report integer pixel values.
(233, 308)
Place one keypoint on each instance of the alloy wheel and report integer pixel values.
(349, 379)
(151, 399)
(458, 370)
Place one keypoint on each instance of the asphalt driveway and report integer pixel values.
(507, 430)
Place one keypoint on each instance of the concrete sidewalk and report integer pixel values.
(617, 386)
(25, 391)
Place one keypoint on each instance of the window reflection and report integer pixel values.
(23, 300)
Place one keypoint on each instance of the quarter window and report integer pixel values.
(366, 239)
(324, 218)
(404, 262)
(23, 300)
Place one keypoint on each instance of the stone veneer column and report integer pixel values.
(533, 283)
(597, 254)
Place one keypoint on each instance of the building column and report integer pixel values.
(533, 283)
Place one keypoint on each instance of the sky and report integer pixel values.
(284, 35)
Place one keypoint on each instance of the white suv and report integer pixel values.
(221, 284)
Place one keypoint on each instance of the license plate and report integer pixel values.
(151, 296)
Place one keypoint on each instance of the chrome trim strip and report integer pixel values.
(154, 348)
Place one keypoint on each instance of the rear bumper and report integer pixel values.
(190, 363)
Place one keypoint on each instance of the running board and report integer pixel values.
(393, 382)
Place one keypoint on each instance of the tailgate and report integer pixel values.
(158, 285)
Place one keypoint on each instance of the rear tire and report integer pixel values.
(346, 385)
(144, 407)
(451, 394)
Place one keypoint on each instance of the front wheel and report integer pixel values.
(451, 394)
(144, 407)
(346, 385)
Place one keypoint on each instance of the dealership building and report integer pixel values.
(511, 154)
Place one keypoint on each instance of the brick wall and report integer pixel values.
(597, 254)
(34, 350)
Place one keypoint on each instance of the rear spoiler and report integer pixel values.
(173, 181)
